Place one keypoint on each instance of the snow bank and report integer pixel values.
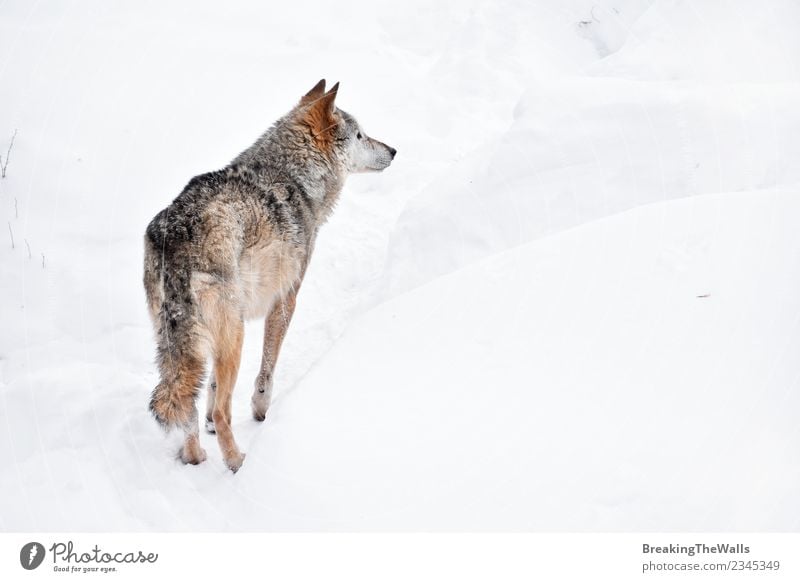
(664, 117)
(713, 40)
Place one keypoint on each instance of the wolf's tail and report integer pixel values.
(179, 355)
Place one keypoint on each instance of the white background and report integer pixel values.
(401, 557)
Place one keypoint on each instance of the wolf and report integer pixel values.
(235, 245)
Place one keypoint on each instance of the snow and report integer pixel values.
(570, 304)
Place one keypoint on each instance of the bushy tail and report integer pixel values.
(180, 358)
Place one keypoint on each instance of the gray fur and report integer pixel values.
(210, 253)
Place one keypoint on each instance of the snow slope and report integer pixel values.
(684, 108)
(570, 304)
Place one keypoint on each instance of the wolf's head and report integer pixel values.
(338, 135)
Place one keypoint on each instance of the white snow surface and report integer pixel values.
(572, 303)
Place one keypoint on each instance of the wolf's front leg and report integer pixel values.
(275, 327)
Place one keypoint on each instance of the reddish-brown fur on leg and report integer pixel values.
(224, 325)
(228, 351)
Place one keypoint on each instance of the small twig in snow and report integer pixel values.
(11, 232)
(42, 260)
(29, 249)
(704, 295)
(4, 164)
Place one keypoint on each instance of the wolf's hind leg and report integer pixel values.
(223, 324)
(192, 453)
(275, 327)
(212, 395)
(227, 355)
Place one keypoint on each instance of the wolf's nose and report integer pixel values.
(393, 152)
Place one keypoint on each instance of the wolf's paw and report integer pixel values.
(193, 455)
(260, 407)
(210, 426)
(234, 462)
(259, 414)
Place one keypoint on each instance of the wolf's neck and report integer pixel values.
(321, 191)
(270, 164)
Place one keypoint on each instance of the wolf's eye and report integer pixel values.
(358, 135)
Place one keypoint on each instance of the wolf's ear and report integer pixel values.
(326, 101)
(316, 92)
(319, 116)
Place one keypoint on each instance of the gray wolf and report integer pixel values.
(235, 245)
